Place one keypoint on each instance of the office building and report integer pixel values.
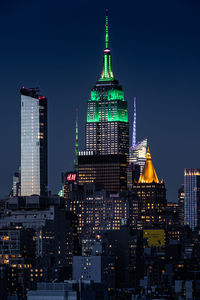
(192, 197)
(16, 188)
(68, 180)
(17, 255)
(172, 213)
(152, 196)
(55, 235)
(34, 160)
(133, 174)
(98, 268)
(105, 158)
(107, 127)
(137, 154)
(108, 170)
(124, 245)
(95, 264)
(99, 210)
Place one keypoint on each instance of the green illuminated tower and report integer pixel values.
(107, 127)
(76, 144)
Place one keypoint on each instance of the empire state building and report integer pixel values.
(107, 127)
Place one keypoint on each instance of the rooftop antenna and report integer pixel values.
(107, 35)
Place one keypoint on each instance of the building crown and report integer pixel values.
(149, 174)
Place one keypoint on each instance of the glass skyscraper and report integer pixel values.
(192, 197)
(34, 159)
(107, 127)
(137, 154)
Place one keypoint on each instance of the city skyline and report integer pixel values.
(176, 147)
(92, 210)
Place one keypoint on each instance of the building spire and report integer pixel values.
(76, 144)
(107, 74)
(134, 124)
(106, 35)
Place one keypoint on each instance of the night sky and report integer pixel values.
(58, 46)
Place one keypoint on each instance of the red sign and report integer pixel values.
(71, 177)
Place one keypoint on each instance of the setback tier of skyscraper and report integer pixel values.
(107, 127)
(109, 170)
(34, 168)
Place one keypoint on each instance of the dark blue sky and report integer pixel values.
(58, 45)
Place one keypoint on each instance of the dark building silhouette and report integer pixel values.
(133, 174)
(17, 256)
(54, 234)
(108, 170)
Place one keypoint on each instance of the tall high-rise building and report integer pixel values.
(107, 127)
(192, 197)
(137, 154)
(34, 160)
(181, 205)
(152, 196)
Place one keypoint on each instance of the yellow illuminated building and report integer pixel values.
(155, 237)
(149, 174)
(152, 203)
